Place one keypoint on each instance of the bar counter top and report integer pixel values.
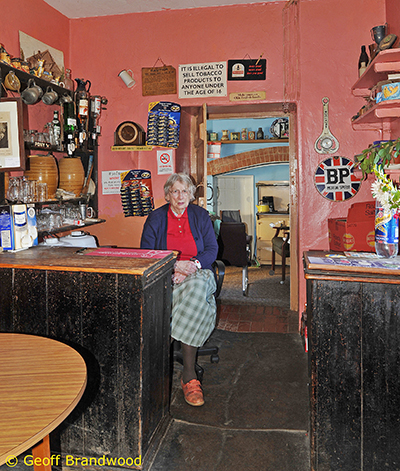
(128, 261)
(347, 266)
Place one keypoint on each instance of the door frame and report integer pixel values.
(191, 157)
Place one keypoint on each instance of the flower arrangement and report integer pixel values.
(385, 191)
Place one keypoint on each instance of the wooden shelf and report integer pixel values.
(24, 77)
(131, 148)
(87, 223)
(249, 141)
(378, 116)
(377, 70)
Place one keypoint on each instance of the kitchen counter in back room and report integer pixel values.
(113, 306)
(353, 326)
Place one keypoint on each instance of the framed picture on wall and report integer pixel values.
(12, 151)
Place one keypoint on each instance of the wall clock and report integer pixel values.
(129, 133)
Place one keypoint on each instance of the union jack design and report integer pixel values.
(334, 179)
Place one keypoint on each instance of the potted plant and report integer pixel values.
(385, 190)
(381, 153)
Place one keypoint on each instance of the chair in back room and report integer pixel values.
(233, 215)
(233, 249)
(280, 246)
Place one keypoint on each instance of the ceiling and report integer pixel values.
(88, 8)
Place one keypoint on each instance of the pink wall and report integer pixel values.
(177, 37)
(393, 21)
(331, 33)
(39, 20)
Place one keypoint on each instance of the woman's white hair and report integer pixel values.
(181, 178)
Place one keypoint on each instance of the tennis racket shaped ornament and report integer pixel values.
(327, 142)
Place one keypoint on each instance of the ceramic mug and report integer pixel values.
(66, 99)
(127, 77)
(50, 96)
(32, 93)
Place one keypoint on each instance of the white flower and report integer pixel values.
(384, 190)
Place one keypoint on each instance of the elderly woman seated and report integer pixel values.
(187, 228)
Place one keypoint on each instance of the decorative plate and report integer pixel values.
(280, 128)
(387, 42)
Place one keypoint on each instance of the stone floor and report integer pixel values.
(256, 414)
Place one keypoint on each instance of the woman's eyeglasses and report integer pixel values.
(176, 193)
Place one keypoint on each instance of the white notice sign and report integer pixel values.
(164, 162)
(111, 182)
(202, 80)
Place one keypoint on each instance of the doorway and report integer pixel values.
(191, 157)
(236, 193)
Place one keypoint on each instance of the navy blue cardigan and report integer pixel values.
(154, 235)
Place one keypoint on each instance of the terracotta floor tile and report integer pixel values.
(257, 327)
(269, 325)
(234, 316)
(247, 309)
(281, 328)
(240, 318)
(231, 326)
(259, 317)
(244, 327)
(268, 309)
(222, 315)
(228, 307)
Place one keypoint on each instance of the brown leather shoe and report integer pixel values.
(193, 392)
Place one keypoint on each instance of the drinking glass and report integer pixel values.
(42, 191)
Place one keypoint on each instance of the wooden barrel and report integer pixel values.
(72, 174)
(43, 168)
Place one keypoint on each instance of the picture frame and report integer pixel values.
(12, 149)
(235, 136)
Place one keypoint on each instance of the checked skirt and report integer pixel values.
(194, 308)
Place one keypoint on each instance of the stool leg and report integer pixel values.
(283, 266)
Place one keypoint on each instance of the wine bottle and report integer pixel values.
(362, 61)
(56, 130)
(69, 127)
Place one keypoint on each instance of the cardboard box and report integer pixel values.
(18, 227)
(356, 232)
(6, 228)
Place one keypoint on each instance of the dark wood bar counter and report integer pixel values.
(353, 325)
(115, 310)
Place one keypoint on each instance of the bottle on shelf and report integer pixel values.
(82, 109)
(56, 130)
(69, 127)
(68, 82)
(94, 115)
(363, 61)
(260, 134)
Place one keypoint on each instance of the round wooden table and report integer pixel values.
(41, 381)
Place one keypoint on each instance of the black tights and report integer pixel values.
(189, 360)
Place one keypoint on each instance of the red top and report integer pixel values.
(180, 237)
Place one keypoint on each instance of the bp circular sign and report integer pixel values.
(334, 179)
